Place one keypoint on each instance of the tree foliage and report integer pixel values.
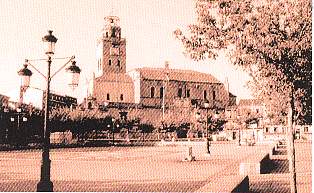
(215, 124)
(271, 40)
(75, 120)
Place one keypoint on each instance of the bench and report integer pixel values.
(231, 183)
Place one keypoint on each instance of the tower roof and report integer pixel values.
(115, 77)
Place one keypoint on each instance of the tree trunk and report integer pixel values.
(291, 148)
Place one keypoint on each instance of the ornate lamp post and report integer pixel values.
(45, 184)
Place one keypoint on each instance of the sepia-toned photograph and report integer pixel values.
(156, 96)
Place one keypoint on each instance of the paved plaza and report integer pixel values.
(153, 169)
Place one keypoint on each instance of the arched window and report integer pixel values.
(161, 92)
(121, 97)
(152, 92)
(180, 92)
(188, 94)
(108, 96)
(205, 94)
(118, 63)
(214, 95)
(89, 105)
(109, 62)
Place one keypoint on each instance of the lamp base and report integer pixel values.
(45, 186)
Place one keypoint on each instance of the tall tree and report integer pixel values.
(271, 40)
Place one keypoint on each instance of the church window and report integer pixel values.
(89, 105)
(188, 93)
(180, 92)
(106, 34)
(119, 63)
(306, 129)
(121, 97)
(109, 62)
(214, 95)
(108, 96)
(161, 92)
(152, 92)
(113, 32)
(205, 94)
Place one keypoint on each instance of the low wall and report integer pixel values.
(256, 165)
(232, 183)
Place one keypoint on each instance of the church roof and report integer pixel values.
(114, 77)
(176, 75)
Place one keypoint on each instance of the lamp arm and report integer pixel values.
(28, 63)
(64, 65)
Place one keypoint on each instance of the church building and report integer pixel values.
(148, 87)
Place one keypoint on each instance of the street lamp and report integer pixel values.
(49, 41)
(73, 75)
(25, 75)
(206, 105)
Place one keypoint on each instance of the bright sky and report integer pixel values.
(147, 25)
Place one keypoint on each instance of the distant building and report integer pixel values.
(149, 87)
(251, 106)
(248, 117)
(60, 101)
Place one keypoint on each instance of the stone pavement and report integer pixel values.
(278, 178)
(111, 169)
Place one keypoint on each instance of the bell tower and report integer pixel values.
(111, 48)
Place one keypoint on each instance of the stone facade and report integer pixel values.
(115, 87)
(158, 86)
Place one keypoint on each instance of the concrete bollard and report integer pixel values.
(190, 156)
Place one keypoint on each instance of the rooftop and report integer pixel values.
(115, 77)
(176, 75)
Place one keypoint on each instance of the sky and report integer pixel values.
(147, 25)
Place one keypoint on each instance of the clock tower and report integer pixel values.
(111, 49)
